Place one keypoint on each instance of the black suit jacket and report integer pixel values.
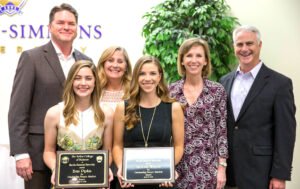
(38, 85)
(261, 140)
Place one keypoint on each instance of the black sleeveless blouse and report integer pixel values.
(160, 133)
(161, 130)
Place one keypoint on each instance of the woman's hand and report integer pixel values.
(221, 177)
(110, 175)
(123, 184)
(176, 175)
(110, 178)
(166, 184)
(169, 184)
(53, 177)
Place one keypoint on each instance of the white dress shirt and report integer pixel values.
(65, 62)
(241, 86)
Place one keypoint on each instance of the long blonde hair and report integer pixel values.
(107, 54)
(131, 117)
(69, 112)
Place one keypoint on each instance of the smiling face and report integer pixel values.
(115, 66)
(247, 49)
(149, 78)
(194, 60)
(63, 27)
(84, 83)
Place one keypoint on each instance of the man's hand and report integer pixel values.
(277, 184)
(24, 168)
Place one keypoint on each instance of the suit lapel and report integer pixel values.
(76, 55)
(258, 84)
(229, 82)
(228, 87)
(54, 63)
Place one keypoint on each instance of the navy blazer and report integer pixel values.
(261, 140)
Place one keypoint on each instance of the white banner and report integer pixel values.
(101, 24)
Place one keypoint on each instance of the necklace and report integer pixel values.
(150, 125)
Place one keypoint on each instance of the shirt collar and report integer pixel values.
(59, 53)
(254, 71)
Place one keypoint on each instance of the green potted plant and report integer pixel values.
(171, 22)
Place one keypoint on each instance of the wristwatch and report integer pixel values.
(223, 164)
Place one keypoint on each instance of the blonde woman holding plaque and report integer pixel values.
(78, 123)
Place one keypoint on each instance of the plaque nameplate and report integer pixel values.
(82, 169)
(148, 165)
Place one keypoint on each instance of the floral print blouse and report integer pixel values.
(86, 135)
(205, 135)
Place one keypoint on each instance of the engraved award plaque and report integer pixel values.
(148, 165)
(82, 169)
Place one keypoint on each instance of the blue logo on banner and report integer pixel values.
(11, 7)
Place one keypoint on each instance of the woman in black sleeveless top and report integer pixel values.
(149, 118)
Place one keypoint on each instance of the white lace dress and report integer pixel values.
(111, 98)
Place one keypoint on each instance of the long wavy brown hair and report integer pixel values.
(107, 54)
(70, 112)
(131, 117)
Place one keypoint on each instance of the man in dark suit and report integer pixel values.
(38, 85)
(261, 118)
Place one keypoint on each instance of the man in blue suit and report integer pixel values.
(261, 118)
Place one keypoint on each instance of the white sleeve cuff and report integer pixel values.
(21, 156)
